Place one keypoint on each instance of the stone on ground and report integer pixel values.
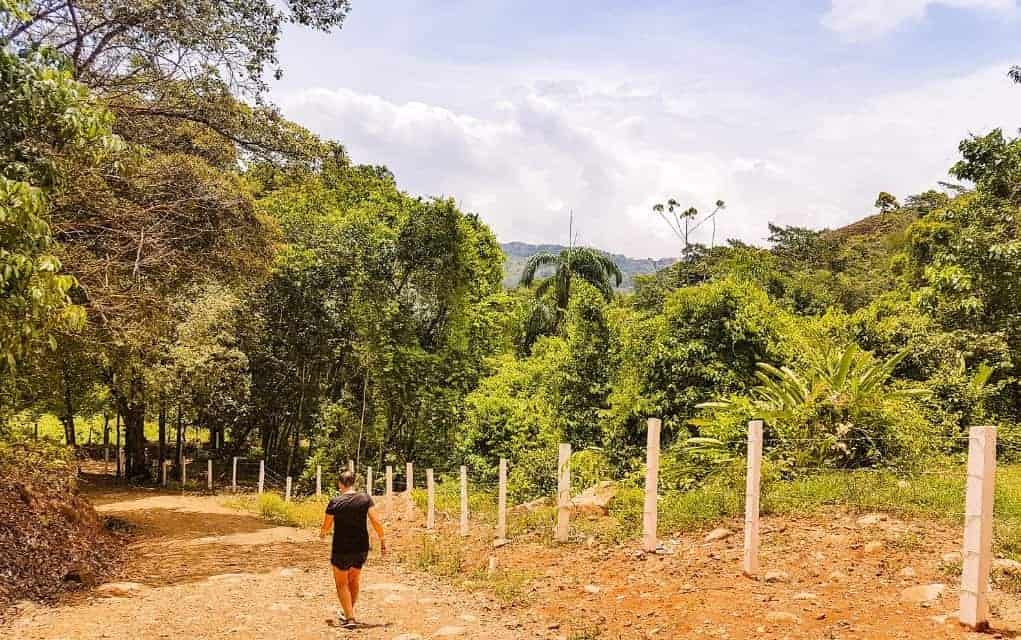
(873, 546)
(922, 593)
(121, 589)
(718, 534)
(449, 632)
(595, 500)
(782, 617)
(777, 576)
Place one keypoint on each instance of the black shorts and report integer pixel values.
(345, 561)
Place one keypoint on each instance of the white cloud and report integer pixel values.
(608, 151)
(864, 19)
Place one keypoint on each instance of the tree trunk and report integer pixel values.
(163, 432)
(180, 442)
(106, 429)
(132, 409)
(68, 418)
(118, 448)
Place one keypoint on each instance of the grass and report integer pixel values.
(938, 496)
(51, 428)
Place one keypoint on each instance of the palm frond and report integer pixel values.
(536, 262)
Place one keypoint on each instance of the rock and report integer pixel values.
(1007, 567)
(777, 576)
(393, 598)
(718, 534)
(121, 589)
(952, 558)
(82, 574)
(838, 576)
(595, 500)
(591, 588)
(873, 547)
(804, 595)
(907, 572)
(528, 507)
(871, 519)
(782, 617)
(922, 593)
(500, 542)
(449, 632)
(288, 572)
(469, 618)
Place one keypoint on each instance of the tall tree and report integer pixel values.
(589, 265)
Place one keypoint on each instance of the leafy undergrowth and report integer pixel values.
(51, 539)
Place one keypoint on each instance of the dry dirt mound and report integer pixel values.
(51, 539)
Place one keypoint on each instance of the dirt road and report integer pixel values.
(213, 572)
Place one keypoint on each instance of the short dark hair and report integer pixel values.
(346, 479)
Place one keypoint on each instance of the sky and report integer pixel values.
(795, 112)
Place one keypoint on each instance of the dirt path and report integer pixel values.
(213, 572)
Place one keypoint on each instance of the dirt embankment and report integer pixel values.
(51, 539)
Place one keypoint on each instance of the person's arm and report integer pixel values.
(377, 524)
(327, 526)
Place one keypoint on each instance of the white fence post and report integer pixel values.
(751, 499)
(501, 503)
(262, 476)
(368, 481)
(163, 473)
(978, 528)
(464, 500)
(287, 490)
(650, 512)
(351, 466)
(563, 493)
(209, 474)
(184, 472)
(234, 474)
(430, 518)
(319, 480)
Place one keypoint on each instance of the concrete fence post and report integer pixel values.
(209, 474)
(751, 499)
(262, 476)
(563, 493)
(287, 490)
(163, 473)
(319, 480)
(234, 474)
(650, 512)
(351, 466)
(501, 502)
(464, 500)
(978, 528)
(368, 481)
(184, 472)
(430, 518)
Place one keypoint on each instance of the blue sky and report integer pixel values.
(792, 112)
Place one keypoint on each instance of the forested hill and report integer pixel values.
(519, 252)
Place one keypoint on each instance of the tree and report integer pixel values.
(176, 61)
(46, 120)
(684, 223)
(592, 266)
(885, 202)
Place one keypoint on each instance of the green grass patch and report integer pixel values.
(307, 513)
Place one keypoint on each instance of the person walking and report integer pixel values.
(349, 515)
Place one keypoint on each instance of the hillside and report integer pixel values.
(518, 254)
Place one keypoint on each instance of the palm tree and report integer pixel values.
(588, 264)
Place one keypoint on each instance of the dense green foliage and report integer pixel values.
(175, 252)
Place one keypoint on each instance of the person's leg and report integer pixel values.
(343, 592)
(354, 584)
